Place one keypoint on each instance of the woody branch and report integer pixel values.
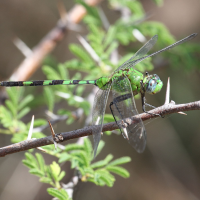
(166, 109)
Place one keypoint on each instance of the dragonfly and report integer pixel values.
(123, 84)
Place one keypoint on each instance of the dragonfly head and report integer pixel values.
(153, 84)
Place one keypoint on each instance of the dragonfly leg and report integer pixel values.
(111, 104)
(145, 104)
(114, 102)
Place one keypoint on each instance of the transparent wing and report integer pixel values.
(138, 57)
(124, 107)
(167, 48)
(139, 54)
(98, 111)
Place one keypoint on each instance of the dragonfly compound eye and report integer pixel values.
(151, 85)
(154, 85)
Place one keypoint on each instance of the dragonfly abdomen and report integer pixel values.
(45, 82)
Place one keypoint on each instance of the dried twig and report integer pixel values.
(49, 42)
(166, 109)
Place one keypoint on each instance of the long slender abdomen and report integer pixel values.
(45, 82)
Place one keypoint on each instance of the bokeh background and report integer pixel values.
(170, 167)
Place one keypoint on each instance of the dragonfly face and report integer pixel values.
(153, 84)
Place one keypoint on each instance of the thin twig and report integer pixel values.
(25, 50)
(162, 110)
(49, 42)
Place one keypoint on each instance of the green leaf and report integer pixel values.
(50, 73)
(71, 147)
(99, 164)
(25, 101)
(158, 2)
(83, 158)
(65, 194)
(81, 170)
(64, 157)
(46, 180)
(100, 147)
(41, 162)
(63, 72)
(109, 182)
(118, 170)
(6, 117)
(110, 36)
(60, 177)
(23, 112)
(80, 90)
(104, 176)
(39, 122)
(108, 158)
(36, 172)
(70, 120)
(57, 193)
(13, 95)
(74, 162)
(18, 138)
(108, 132)
(11, 107)
(80, 53)
(73, 64)
(38, 135)
(55, 170)
(29, 164)
(48, 172)
(135, 7)
(102, 163)
(32, 159)
(120, 161)
(49, 96)
(123, 38)
(87, 147)
(85, 106)
(92, 11)
(111, 48)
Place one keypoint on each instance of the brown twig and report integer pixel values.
(49, 42)
(166, 109)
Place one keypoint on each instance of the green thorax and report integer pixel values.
(133, 75)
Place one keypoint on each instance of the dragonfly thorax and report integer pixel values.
(152, 84)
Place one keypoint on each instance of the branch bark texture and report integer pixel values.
(162, 110)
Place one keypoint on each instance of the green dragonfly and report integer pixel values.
(123, 84)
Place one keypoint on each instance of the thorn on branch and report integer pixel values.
(31, 132)
(167, 96)
(56, 137)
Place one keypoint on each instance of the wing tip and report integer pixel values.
(193, 35)
(95, 153)
(155, 36)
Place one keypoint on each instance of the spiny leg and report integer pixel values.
(114, 102)
(111, 104)
(146, 104)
